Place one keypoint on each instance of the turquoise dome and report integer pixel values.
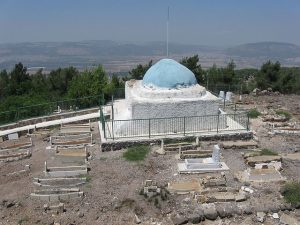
(167, 73)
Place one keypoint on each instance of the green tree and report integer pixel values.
(192, 63)
(4, 82)
(228, 73)
(115, 81)
(20, 82)
(215, 78)
(39, 83)
(60, 79)
(139, 71)
(268, 75)
(289, 80)
(89, 83)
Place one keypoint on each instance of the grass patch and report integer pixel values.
(23, 220)
(54, 127)
(291, 192)
(284, 113)
(88, 186)
(253, 113)
(136, 153)
(88, 178)
(266, 151)
(103, 158)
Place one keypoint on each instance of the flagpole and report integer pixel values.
(168, 32)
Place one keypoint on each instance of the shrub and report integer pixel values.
(136, 153)
(291, 192)
(157, 203)
(266, 151)
(284, 113)
(23, 220)
(253, 113)
(141, 192)
(88, 178)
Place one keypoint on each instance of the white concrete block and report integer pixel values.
(13, 136)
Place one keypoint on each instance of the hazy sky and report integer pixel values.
(207, 22)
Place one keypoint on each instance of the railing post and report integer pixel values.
(103, 128)
(17, 115)
(184, 126)
(234, 111)
(224, 104)
(112, 119)
(248, 121)
(112, 129)
(218, 122)
(76, 104)
(149, 128)
(102, 119)
(112, 108)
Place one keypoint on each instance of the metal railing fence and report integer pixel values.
(116, 129)
(46, 109)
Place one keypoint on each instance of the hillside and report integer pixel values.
(272, 50)
(122, 56)
(86, 53)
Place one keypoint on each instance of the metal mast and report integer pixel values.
(168, 32)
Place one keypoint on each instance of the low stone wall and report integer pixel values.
(118, 145)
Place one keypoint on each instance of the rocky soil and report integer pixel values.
(112, 195)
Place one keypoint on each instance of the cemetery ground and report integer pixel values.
(114, 187)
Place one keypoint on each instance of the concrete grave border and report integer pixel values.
(75, 128)
(72, 181)
(17, 146)
(67, 194)
(72, 140)
(67, 171)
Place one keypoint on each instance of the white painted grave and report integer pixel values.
(203, 165)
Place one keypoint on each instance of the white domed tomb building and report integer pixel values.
(169, 89)
(171, 98)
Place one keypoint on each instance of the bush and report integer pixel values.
(136, 153)
(141, 192)
(284, 113)
(291, 192)
(266, 151)
(157, 203)
(23, 220)
(88, 178)
(253, 113)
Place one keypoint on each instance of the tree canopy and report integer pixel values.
(18, 88)
(192, 63)
(139, 71)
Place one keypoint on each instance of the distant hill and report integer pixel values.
(122, 56)
(85, 53)
(272, 50)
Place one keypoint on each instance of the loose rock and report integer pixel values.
(210, 211)
(288, 220)
(136, 219)
(80, 214)
(178, 220)
(260, 216)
